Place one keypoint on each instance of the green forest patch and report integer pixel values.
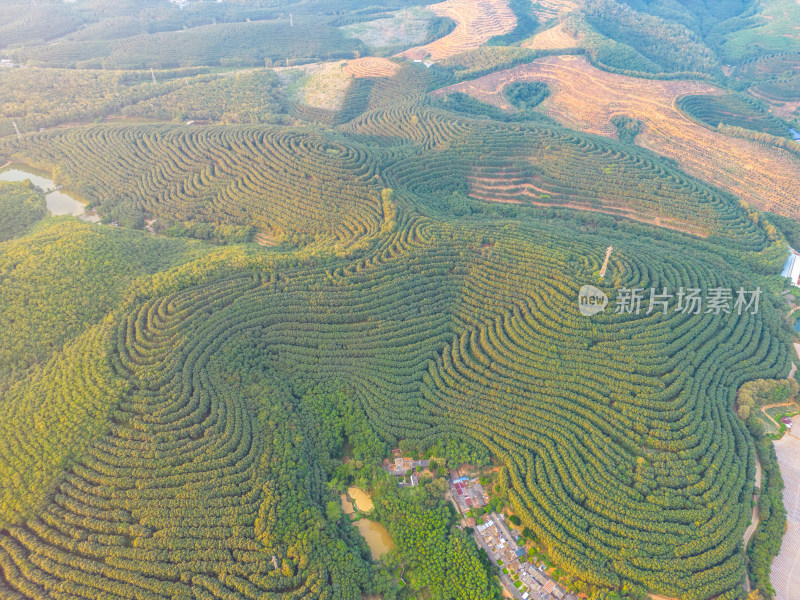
(775, 29)
(21, 205)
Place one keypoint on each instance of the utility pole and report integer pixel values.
(605, 262)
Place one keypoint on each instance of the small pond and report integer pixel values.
(361, 498)
(58, 202)
(377, 536)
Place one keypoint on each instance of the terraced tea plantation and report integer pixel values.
(312, 257)
(222, 176)
(476, 23)
(616, 433)
(738, 111)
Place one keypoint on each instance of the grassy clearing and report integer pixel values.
(404, 28)
(325, 87)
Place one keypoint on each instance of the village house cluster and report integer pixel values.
(469, 493)
(404, 466)
(534, 584)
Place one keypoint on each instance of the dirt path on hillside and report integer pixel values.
(766, 406)
(754, 518)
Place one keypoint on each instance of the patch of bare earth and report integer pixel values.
(782, 109)
(264, 237)
(476, 22)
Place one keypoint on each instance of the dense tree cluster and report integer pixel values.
(21, 205)
(432, 553)
(161, 35)
(526, 94)
(35, 98)
(246, 44)
(762, 392)
(625, 39)
(627, 127)
(249, 97)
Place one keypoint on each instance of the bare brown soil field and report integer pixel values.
(585, 98)
(784, 110)
(370, 66)
(554, 38)
(477, 21)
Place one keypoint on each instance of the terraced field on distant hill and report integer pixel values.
(549, 9)
(477, 22)
(554, 38)
(776, 80)
(371, 67)
(586, 99)
(548, 167)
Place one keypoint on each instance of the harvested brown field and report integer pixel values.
(554, 38)
(585, 98)
(477, 21)
(780, 108)
(370, 66)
